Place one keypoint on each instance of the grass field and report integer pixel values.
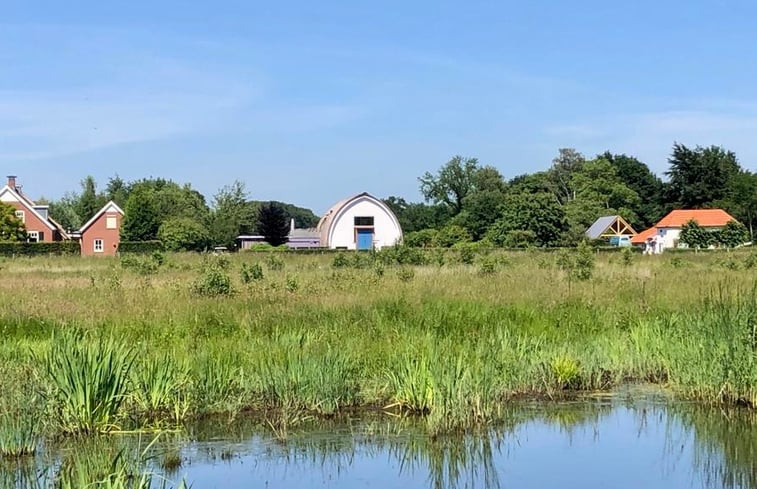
(97, 345)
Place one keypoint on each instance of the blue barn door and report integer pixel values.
(365, 239)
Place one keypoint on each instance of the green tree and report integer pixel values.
(452, 183)
(231, 216)
(184, 234)
(742, 199)
(699, 177)
(638, 177)
(598, 191)
(303, 218)
(695, 236)
(11, 227)
(272, 223)
(417, 216)
(564, 166)
(480, 210)
(64, 211)
(451, 235)
(141, 221)
(733, 234)
(89, 202)
(117, 191)
(539, 213)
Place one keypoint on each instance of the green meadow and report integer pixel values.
(149, 343)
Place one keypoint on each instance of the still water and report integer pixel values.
(629, 440)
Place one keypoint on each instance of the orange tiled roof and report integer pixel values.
(641, 238)
(703, 217)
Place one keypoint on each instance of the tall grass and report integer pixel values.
(89, 379)
(450, 343)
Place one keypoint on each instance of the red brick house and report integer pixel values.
(100, 236)
(39, 226)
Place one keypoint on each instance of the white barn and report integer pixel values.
(361, 222)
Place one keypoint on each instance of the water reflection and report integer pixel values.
(623, 441)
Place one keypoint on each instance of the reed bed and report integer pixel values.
(111, 347)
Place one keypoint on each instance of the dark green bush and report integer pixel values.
(38, 249)
(140, 246)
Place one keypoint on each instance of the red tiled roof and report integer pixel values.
(641, 238)
(703, 217)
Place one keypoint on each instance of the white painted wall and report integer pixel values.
(668, 236)
(386, 230)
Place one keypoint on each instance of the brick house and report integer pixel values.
(101, 235)
(39, 226)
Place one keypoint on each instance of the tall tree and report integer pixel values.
(639, 178)
(416, 216)
(701, 176)
(564, 166)
(272, 223)
(90, 202)
(741, 201)
(537, 213)
(65, 211)
(141, 221)
(231, 215)
(117, 190)
(452, 183)
(11, 227)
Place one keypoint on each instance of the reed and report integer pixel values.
(90, 381)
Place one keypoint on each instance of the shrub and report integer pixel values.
(291, 284)
(142, 265)
(274, 263)
(421, 239)
(184, 234)
(250, 272)
(519, 238)
(488, 265)
(626, 256)
(452, 234)
(140, 246)
(39, 249)
(402, 255)
(340, 260)
(578, 263)
(467, 255)
(405, 274)
(214, 280)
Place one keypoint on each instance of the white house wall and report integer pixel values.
(669, 236)
(386, 230)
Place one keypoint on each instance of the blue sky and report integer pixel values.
(310, 101)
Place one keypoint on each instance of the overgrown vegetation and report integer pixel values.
(405, 329)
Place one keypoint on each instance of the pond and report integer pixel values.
(630, 439)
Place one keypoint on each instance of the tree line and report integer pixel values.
(179, 215)
(467, 201)
(463, 201)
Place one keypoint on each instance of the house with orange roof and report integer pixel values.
(667, 232)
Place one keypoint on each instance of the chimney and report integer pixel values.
(12, 181)
(291, 224)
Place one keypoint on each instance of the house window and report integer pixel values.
(364, 221)
(32, 236)
(111, 222)
(21, 216)
(99, 246)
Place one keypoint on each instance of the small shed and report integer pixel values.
(613, 229)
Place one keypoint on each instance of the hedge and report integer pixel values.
(140, 246)
(38, 249)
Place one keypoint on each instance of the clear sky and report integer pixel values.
(308, 102)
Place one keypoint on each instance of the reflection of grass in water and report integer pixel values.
(725, 445)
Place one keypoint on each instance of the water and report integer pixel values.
(630, 440)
